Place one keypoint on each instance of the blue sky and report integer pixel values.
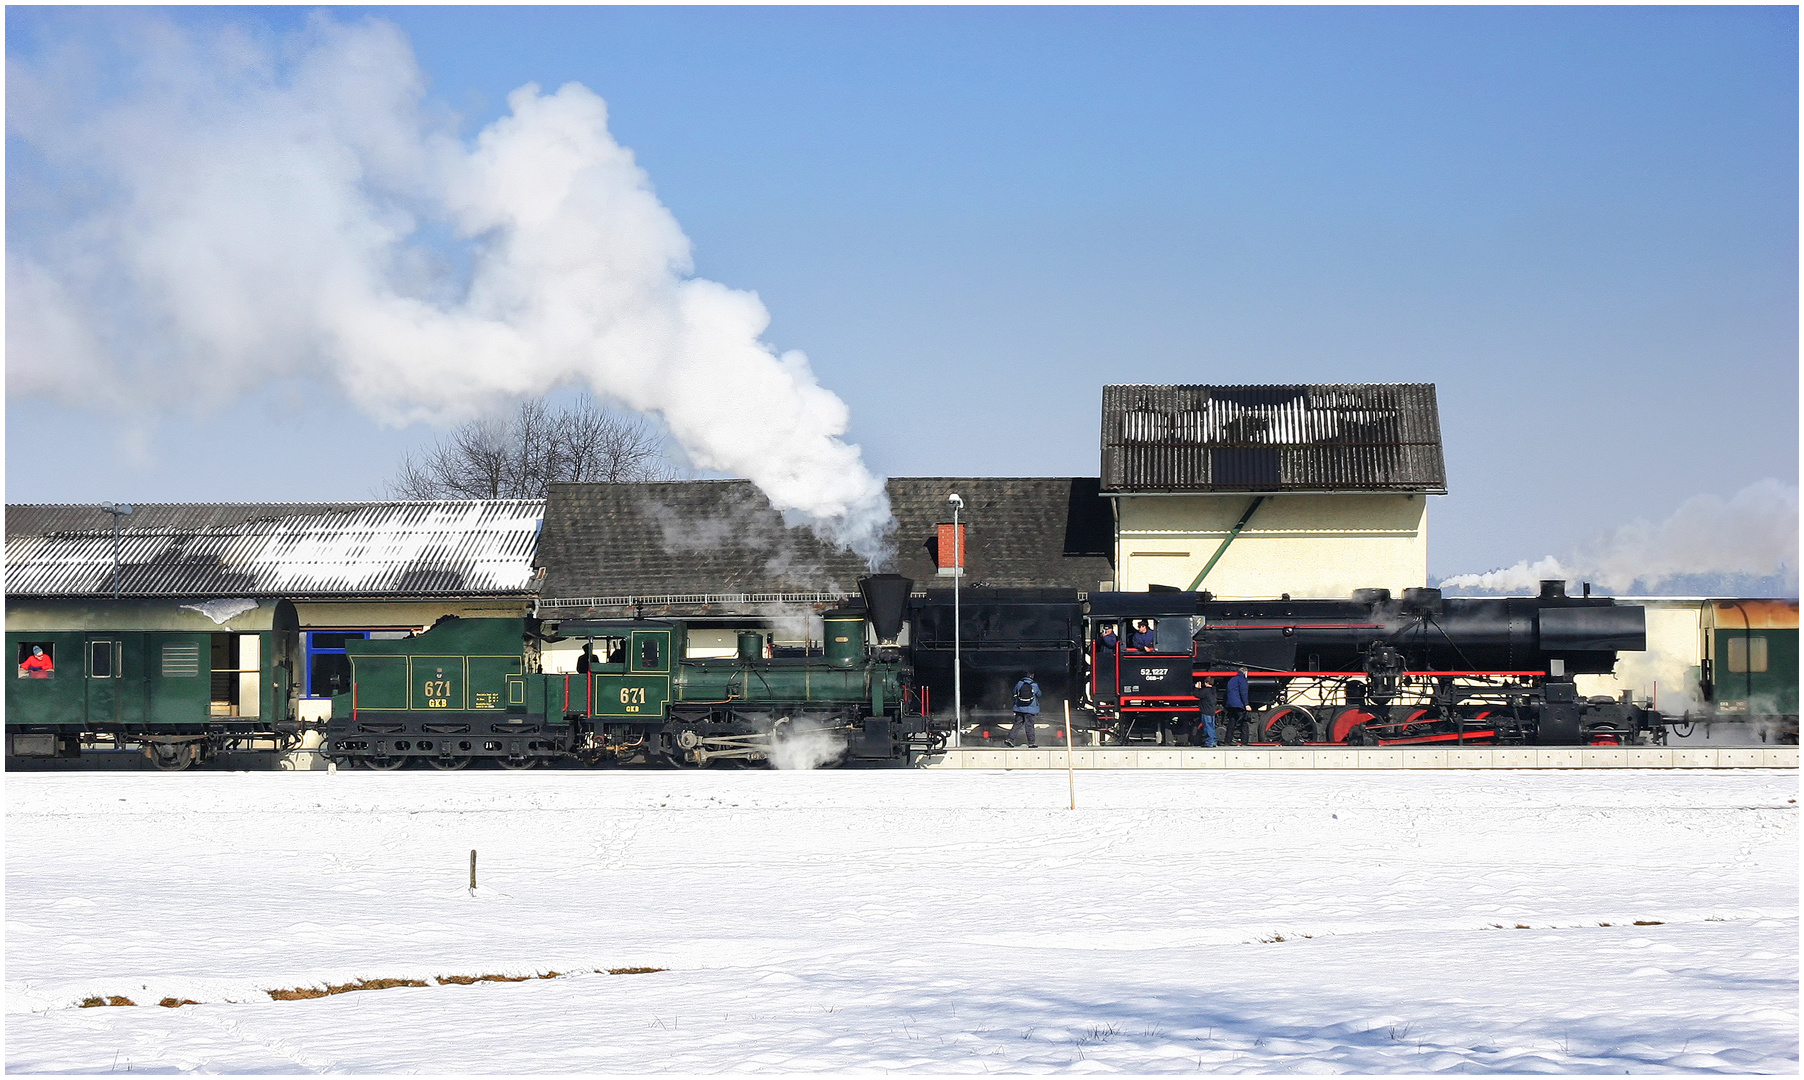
(1580, 223)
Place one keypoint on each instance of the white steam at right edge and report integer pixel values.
(255, 213)
(1751, 535)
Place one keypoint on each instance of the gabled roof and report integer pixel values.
(717, 545)
(294, 550)
(1033, 532)
(664, 538)
(1301, 438)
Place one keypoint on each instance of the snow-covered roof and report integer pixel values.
(388, 549)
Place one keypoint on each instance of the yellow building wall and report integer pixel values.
(1306, 545)
(1667, 672)
(402, 614)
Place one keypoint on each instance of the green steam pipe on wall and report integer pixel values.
(1220, 551)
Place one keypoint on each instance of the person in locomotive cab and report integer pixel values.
(38, 665)
(1143, 638)
(1107, 638)
(1207, 706)
(1236, 707)
(1027, 709)
(586, 662)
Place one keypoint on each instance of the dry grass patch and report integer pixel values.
(301, 993)
(465, 980)
(304, 993)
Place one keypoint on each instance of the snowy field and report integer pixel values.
(868, 921)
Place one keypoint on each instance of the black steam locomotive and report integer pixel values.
(1372, 670)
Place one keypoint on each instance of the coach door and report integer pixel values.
(102, 659)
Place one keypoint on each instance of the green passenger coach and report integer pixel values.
(179, 680)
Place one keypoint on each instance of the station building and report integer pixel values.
(1262, 491)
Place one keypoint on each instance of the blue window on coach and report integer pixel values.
(328, 665)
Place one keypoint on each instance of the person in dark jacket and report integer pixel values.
(1207, 706)
(1107, 639)
(1142, 639)
(1236, 707)
(1027, 709)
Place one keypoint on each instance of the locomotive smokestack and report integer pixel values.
(1553, 589)
(885, 601)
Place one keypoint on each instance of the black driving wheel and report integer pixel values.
(384, 764)
(170, 757)
(448, 764)
(1291, 725)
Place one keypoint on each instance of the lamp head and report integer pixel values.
(957, 503)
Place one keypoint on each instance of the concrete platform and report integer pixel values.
(1470, 757)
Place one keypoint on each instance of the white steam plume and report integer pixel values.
(801, 744)
(219, 213)
(1751, 535)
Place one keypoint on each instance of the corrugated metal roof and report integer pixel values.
(462, 548)
(1325, 437)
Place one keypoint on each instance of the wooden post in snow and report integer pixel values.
(472, 869)
(1070, 772)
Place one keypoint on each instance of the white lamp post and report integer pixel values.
(958, 674)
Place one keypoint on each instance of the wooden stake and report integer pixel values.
(1070, 771)
(472, 869)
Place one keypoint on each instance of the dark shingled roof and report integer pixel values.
(1023, 532)
(1354, 437)
(702, 539)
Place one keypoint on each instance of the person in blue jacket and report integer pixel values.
(1143, 637)
(1235, 706)
(1027, 709)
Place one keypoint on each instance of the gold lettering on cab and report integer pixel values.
(488, 701)
(437, 691)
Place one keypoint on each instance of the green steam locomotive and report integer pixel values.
(468, 689)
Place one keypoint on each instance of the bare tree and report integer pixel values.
(521, 456)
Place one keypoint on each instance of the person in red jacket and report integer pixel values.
(38, 665)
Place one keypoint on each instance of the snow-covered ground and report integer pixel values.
(863, 921)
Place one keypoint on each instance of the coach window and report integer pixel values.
(1747, 654)
(100, 659)
(328, 666)
(37, 660)
(328, 671)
